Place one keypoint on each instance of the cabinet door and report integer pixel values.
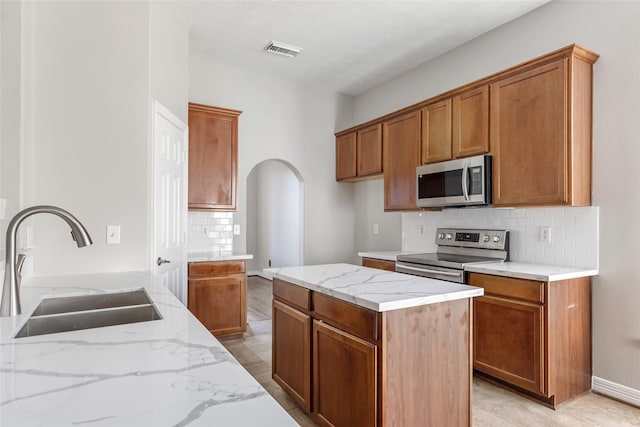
(471, 123)
(401, 156)
(508, 341)
(219, 303)
(529, 137)
(344, 378)
(346, 156)
(291, 353)
(369, 151)
(213, 157)
(436, 132)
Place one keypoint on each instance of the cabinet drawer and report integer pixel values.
(359, 321)
(526, 290)
(380, 264)
(294, 295)
(217, 268)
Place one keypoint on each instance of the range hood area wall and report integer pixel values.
(573, 232)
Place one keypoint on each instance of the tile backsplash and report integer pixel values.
(211, 232)
(574, 232)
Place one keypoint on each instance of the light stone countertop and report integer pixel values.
(164, 372)
(384, 255)
(521, 270)
(546, 273)
(378, 290)
(210, 256)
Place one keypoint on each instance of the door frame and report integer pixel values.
(160, 110)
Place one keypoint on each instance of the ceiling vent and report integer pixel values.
(283, 49)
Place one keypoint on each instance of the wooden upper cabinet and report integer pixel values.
(541, 134)
(471, 123)
(401, 155)
(359, 154)
(213, 158)
(436, 132)
(369, 150)
(346, 156)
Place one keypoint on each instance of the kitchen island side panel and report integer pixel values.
(426, 365)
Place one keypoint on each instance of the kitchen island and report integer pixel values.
(356, 346)
(167, 372)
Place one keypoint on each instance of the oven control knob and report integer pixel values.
(496, 239)
(449, 236)
(440, 236)
(486, 238)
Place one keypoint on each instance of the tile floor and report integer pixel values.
(492, 406)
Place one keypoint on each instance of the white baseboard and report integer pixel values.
(616, 391)
(261, 274)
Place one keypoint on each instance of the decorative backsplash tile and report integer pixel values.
(211, 232)
(574, 232)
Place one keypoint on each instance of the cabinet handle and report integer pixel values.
(465, 184)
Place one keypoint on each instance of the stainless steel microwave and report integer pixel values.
(454, 183)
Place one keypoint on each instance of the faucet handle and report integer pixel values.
(19, 262)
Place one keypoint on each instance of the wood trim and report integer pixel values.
(572, 50)
(216, 110)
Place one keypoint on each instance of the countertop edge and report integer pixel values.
(386, 305)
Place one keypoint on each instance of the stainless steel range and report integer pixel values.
(457, 247)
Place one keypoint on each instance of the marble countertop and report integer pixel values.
(546, 273)
(521, 270)
(385, 255)
(378, 290)
(157, 373)
(211, 256)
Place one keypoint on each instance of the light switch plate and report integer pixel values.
(113, 234)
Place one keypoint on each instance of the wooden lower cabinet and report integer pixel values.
(218, 296)
(344, 378)
(405, 367)
(508, 341)
(291, 352)
(380, 264)
(534, 336)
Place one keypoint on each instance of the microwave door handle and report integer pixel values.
(465, 181)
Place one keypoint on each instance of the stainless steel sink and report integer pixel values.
(89, 311)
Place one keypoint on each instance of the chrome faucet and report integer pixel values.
(10, 303)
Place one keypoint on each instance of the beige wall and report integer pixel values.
(293, 123)
(611, 29)
(88, 74)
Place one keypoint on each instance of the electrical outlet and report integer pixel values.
(376, 228)
(422, 229)
(544, 234)
(236, 229)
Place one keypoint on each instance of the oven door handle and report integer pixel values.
(426, 270)
(465, 181)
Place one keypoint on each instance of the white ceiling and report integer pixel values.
(349, 46)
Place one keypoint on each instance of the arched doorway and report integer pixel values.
(274, 215)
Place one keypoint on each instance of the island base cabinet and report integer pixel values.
(291, 357)
(344, 378)
(404, 367)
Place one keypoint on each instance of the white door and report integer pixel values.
(169, 259)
